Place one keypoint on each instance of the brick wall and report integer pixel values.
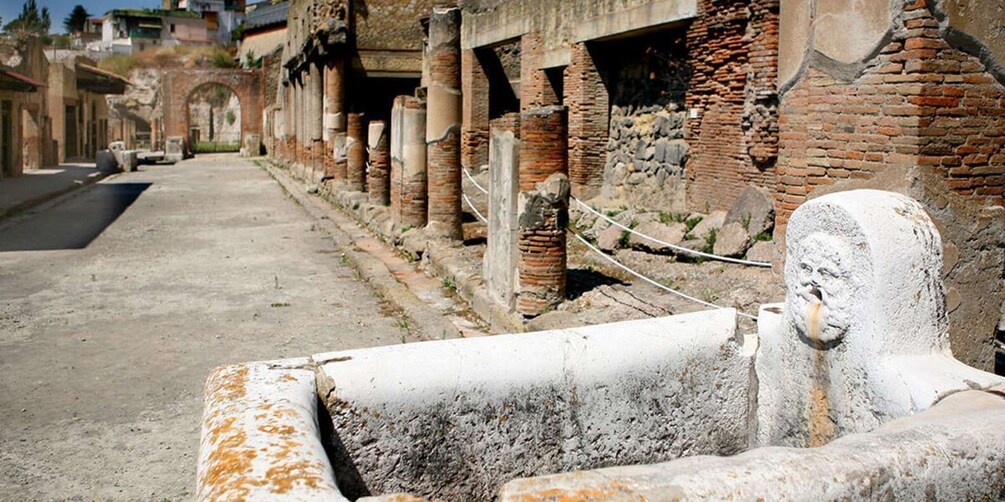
(587, 100)
(919, 101)
(536, 89)
(475, 118)
(732, 47)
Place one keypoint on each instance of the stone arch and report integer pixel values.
(179, 84)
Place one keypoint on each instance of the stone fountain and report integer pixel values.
(847, 390)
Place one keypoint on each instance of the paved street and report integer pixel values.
(116, 303)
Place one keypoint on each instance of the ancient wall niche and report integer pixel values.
(647, 78)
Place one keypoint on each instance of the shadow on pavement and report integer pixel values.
(75, 223)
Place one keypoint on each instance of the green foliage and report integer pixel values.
(666, 217)
(449, 284)
(745, 221)
(231, 117)
(692, 222)
(223, 60)
(119, 64)
(75, 21)
(250, 61)
(710, 240)
(623, 240)
(763, 236)
(215, 147)
(30, 20)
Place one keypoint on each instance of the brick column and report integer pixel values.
(315, 117)
(588, 102)
(303, 139)
(335, 122)
(543, 210)
(295, 117)
(443, 123)
(475, 112)
(408, 161)
(379, 178)
(356, 160)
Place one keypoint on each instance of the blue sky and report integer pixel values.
(59, 9)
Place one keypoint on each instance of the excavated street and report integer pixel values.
(116, 302)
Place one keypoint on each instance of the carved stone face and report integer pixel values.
(823, 287)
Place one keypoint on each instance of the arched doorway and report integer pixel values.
(179, 84)
(214, 119)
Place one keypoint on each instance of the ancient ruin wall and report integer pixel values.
(920, 116)
(646, 150)
(731, 50)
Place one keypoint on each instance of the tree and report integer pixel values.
(31, 19)
(74, 23)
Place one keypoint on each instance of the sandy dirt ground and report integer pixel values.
(116, 302)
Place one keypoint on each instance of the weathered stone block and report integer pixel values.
(756, 208)
(500, 261)
(106, 162)
(672, 233)
(713, 221)
(732, 240)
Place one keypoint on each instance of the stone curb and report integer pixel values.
(50, 196)
(440, 261)
(429, 324)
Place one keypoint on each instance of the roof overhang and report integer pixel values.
(14, 81)
(94, 79)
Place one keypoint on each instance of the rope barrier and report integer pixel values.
(473, 208)
(611, 259)
(672, 246)
(469, 177)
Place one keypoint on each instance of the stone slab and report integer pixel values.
(500, 261)
(260, 435)
(454, 419)
(950, 452)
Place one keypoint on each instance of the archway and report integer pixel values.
(214, 119)
(178, 85)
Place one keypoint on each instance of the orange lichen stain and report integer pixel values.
(227, 384)
(282, 430)
(289, 378)
(601, 492)
(282, 478)
(821, 426)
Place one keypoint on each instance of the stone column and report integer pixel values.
(315, 118)
(356, 159)
(443, 123)
(335, 116)
(500, 260)
(543, 209)
(408, 161)
(301, 124)
(475, 113)
(588, 102)
(379, 178)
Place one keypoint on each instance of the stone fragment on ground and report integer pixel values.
(732, 240)
(672, 233)
(755, 208)
(762, 251)
(713, 221)
(608, 239)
